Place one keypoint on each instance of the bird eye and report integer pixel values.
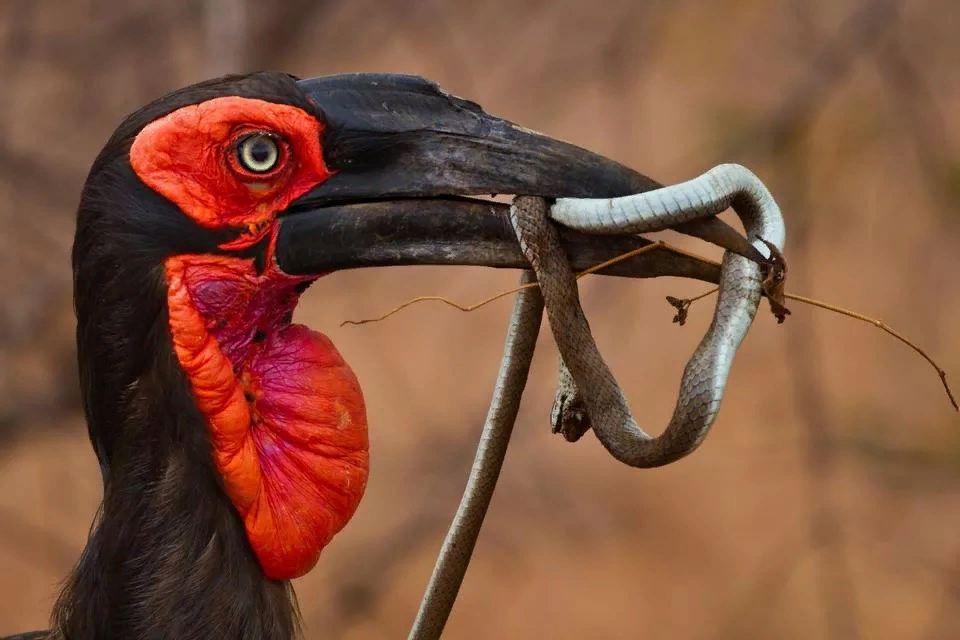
(258, 153)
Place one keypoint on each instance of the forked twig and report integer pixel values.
(682, 305)
(772, 289)
(657, 244)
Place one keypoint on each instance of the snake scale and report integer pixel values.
(584, 377)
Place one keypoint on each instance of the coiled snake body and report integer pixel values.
(584, 376)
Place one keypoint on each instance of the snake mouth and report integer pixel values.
(406, 157)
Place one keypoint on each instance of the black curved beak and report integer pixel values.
(405, 155)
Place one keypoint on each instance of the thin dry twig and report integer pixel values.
(683, 305)
(658, 244)
(773, 290)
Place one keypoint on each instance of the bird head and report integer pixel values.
(204, 219)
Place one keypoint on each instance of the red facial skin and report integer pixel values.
(286, 414)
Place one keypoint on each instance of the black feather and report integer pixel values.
(167, 556)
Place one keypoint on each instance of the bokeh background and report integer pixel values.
(826, 501)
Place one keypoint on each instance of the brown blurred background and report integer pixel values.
(826, 502)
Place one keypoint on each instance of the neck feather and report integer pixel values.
(168, 556)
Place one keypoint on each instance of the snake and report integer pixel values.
(704, 379)
(441, 592)
(584, 375)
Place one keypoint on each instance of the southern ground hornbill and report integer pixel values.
(233, 443)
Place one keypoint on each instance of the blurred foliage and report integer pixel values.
(825, 503)
(952, 188)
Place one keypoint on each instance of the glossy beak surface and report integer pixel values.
(406, 155)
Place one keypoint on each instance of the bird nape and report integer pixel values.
(233, 442)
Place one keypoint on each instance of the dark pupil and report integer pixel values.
(261, 151)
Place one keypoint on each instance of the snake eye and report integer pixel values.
(258, 153)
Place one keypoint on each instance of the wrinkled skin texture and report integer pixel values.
(187, 158)
(286, 414)
(287, 417)
(171, 553)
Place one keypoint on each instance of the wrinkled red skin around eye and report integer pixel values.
(186, 156)
(286, 413)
